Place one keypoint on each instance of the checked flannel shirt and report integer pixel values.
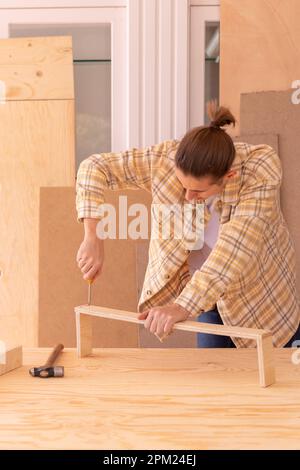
(250, 273)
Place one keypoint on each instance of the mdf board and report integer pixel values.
(61, 286)
(152, 399)
(257, 139)
(274, 112)
(259, 48)
(36, 149)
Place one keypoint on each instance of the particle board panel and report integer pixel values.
(274, 112)
(61, 286)
(36, 148)
(259, 50)
(152, 399)
(257, 139)
(37, 68)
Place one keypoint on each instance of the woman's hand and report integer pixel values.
(90, 257)
(160, 320)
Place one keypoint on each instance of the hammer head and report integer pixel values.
(45, 372)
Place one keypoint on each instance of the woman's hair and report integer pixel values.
(208, 150)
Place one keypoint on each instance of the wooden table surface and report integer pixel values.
(151, 399)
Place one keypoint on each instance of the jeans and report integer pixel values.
(215, 341)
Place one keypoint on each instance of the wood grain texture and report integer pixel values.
(84, 338)
(152, 399)
(37, 149)
(266, 364)
(259, 50)
(221, 330)
(37, 68)
(263, 338)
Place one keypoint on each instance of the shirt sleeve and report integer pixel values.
(240, 239)
(133, 169)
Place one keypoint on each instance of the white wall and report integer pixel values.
(158, 70)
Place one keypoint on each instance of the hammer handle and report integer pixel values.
(53, 356)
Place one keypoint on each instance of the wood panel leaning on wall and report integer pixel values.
(37, 149)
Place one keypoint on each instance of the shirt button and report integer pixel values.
(149, 292)
(167, 276)
(187, 251)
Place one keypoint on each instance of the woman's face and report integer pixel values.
(199, 189)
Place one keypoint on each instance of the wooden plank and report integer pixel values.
(37, 68)
(111, 400)
(265, 361)
(197, 327)
(37, 148)
(85, 334)
(10, 358)
(263, 338)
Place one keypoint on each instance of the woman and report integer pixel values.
(245, 273)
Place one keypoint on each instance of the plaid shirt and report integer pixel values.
(250, 273)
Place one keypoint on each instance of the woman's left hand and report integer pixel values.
(160, 320)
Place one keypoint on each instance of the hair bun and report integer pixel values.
(219, 115)
(215, 125)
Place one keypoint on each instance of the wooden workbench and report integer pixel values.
(151, 399)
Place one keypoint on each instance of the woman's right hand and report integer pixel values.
(90, 257)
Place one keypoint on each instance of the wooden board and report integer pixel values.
(259, 50)
(60, 238)
(10, 357)
(274, 112)
(37, 148)
(152, 399)
(257, 139)
(37, 68)
(264, 343)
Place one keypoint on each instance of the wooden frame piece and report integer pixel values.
(10, 358)
(84, 314)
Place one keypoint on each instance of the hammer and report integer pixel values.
(49, 370)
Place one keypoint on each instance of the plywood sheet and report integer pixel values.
(36, 148)
(37, 68)
(61, 284)
(259, 48)
(274, 112)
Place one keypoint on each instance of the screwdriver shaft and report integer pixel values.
(89, 292)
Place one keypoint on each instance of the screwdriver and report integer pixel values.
(90, 282)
